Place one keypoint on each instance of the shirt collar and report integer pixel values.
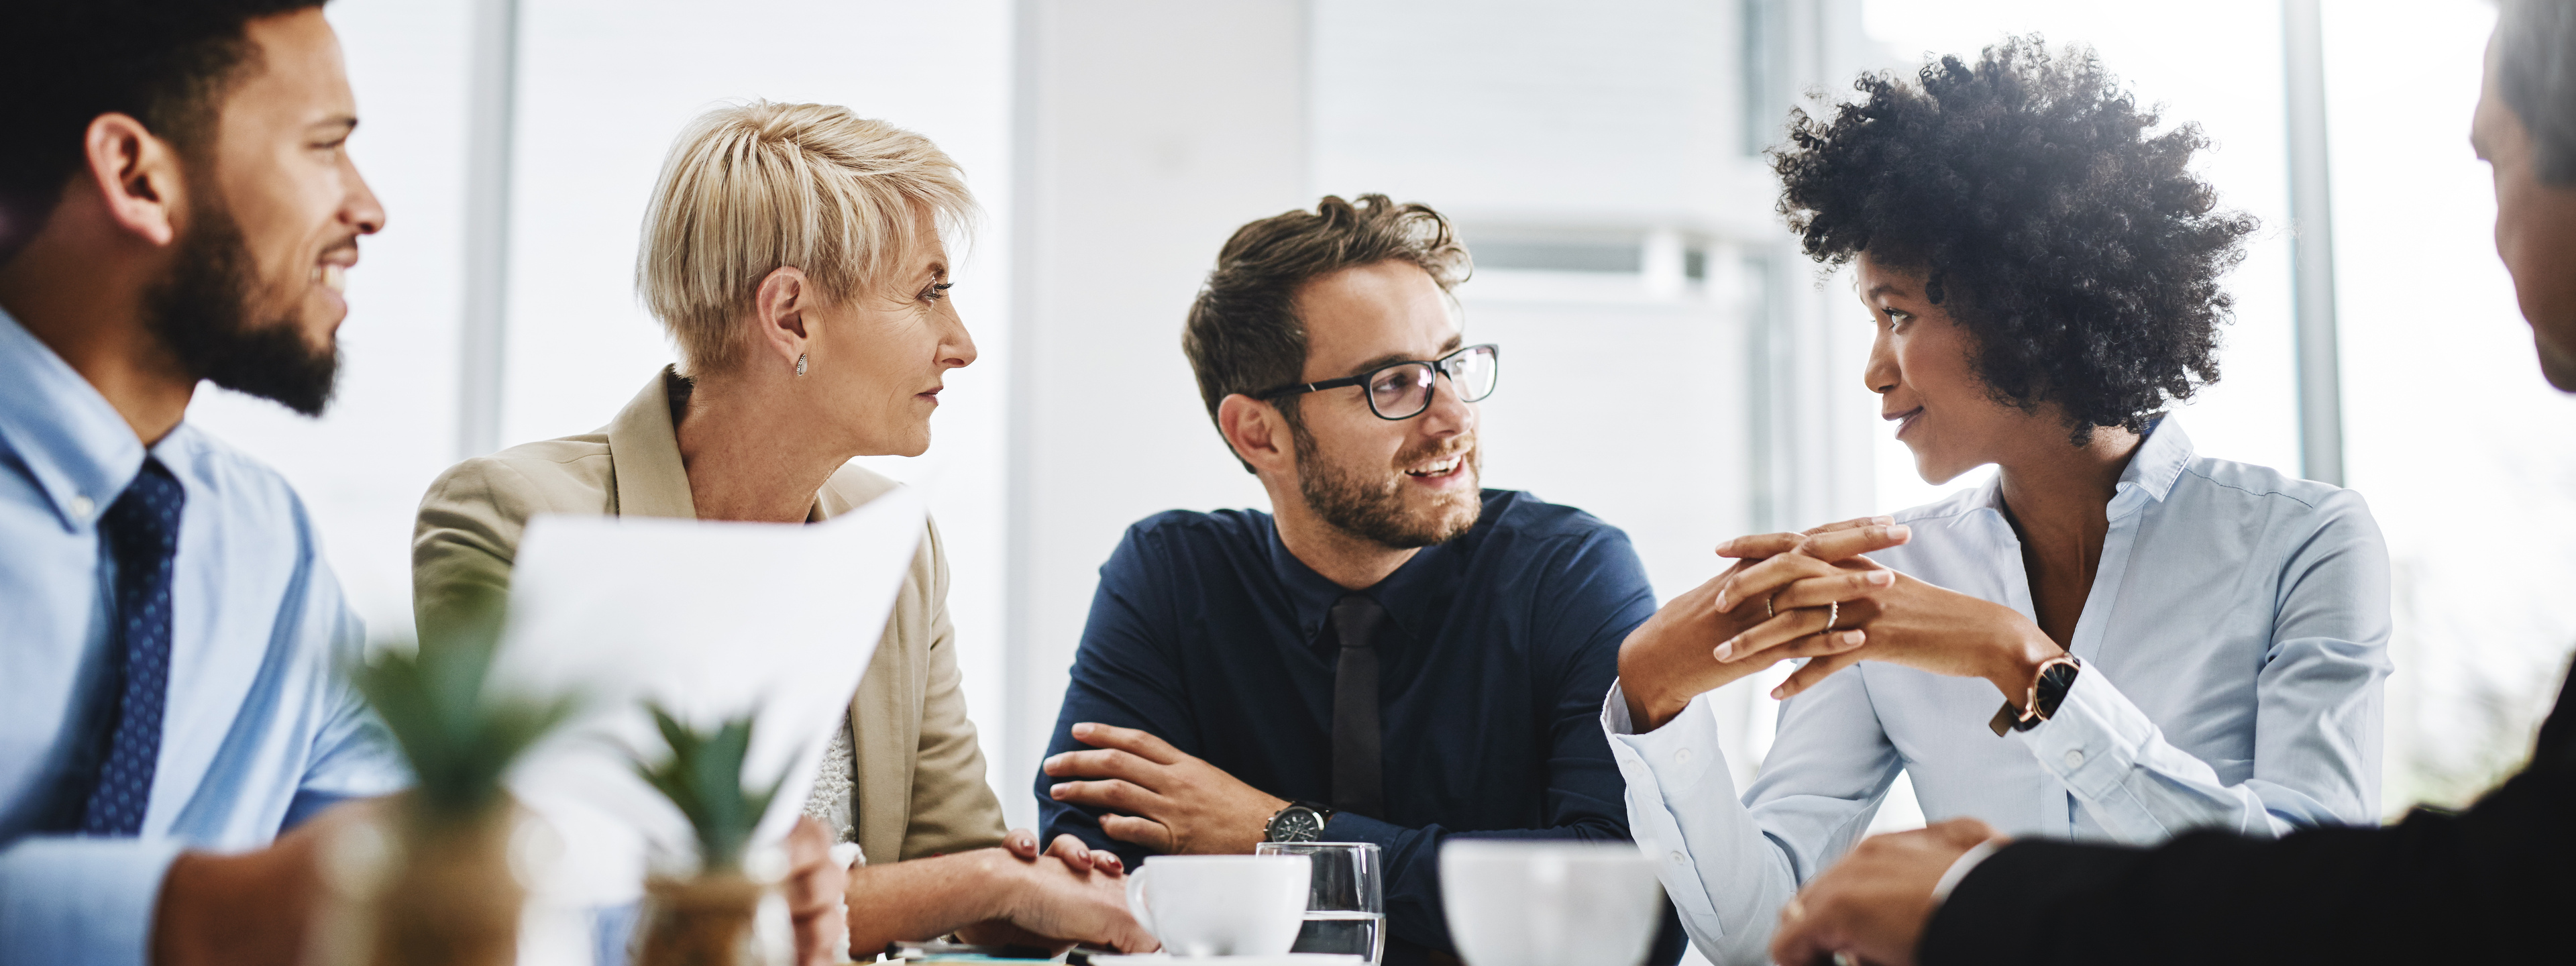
(1415, 596)
(2151, 472)
(80, 452)
(2159, 460)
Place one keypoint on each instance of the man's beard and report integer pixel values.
(1372, 507)
(201, 310)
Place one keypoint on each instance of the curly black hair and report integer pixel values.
(2062, 232)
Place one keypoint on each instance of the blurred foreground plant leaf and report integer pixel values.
(459, 738)
(703, 777)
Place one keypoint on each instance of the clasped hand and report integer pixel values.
(1813, 595)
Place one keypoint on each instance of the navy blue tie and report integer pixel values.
(141, 534)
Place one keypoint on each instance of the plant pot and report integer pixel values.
(718, 919)
(412, 889)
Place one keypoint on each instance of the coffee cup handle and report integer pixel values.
(1136, 900)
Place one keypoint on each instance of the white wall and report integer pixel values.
(1149, 129)
(361, 468)
(2215, 63)
(604, 86)
(2451, 433)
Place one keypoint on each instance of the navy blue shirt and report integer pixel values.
(1207, 632)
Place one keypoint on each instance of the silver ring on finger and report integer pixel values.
(1833, 614)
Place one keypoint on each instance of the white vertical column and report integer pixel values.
(1145, 132)
(491, 116)
(2312, 244)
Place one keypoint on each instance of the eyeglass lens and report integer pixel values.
(1404, 391)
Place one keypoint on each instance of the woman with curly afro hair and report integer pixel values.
(2116, 639)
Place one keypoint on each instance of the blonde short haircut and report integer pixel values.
(752, 188)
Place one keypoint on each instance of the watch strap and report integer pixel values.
(2048, 689)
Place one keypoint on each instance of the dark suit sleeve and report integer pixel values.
(1123, 674)
(2485, 885)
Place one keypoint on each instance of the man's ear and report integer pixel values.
(778, 314)
(1258, 433)
(137, 176)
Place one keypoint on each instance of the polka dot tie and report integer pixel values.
(141, 533)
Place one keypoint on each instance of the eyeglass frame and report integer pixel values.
(1439, 368)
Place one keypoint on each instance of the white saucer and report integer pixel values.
(1283, 959)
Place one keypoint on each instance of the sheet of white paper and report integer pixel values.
(712, 620)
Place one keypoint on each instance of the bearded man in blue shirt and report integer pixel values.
(176, 205)
(1395, 656)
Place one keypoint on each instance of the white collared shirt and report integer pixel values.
(2234, 644)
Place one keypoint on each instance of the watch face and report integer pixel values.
(1296, 824)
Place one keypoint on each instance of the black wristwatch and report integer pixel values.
(2047, 691)
(1299, 822)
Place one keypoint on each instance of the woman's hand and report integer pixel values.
(1047, 897)
(1070, 848)
(1906, 622)
(814, 887)
(1672, 657)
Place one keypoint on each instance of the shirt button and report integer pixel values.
(1682, 755)
(1680, 859)
(81, 506)
(2074, 758)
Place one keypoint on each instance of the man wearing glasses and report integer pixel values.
(1392, 655)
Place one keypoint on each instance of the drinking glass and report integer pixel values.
(1346, 906)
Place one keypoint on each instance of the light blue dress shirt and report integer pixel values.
(2234, 647)
(259, 731)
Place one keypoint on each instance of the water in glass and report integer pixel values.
(1343, 933)
(1346, 903)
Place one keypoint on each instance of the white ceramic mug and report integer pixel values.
(1221, 905)
(1524, 903)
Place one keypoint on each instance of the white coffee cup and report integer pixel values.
(1523, 903)
(1221, 905)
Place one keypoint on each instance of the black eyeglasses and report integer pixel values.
(1402, 390)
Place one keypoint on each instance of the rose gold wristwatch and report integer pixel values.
(2047, 690)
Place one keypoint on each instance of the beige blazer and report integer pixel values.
(920, 776)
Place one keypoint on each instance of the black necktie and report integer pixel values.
(1359, 781)
(140, 532)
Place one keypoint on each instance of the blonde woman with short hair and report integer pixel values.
(794, 254)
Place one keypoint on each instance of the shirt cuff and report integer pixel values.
(70, 899)
(1614, 711)
(2093, 740)
(1679, 754)
(1681, 760)
(1959, 869)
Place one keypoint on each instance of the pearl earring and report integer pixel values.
(800, 363)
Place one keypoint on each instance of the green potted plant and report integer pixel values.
(428, 880)
(708, 909)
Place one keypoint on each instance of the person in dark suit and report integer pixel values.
(2484, 885)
